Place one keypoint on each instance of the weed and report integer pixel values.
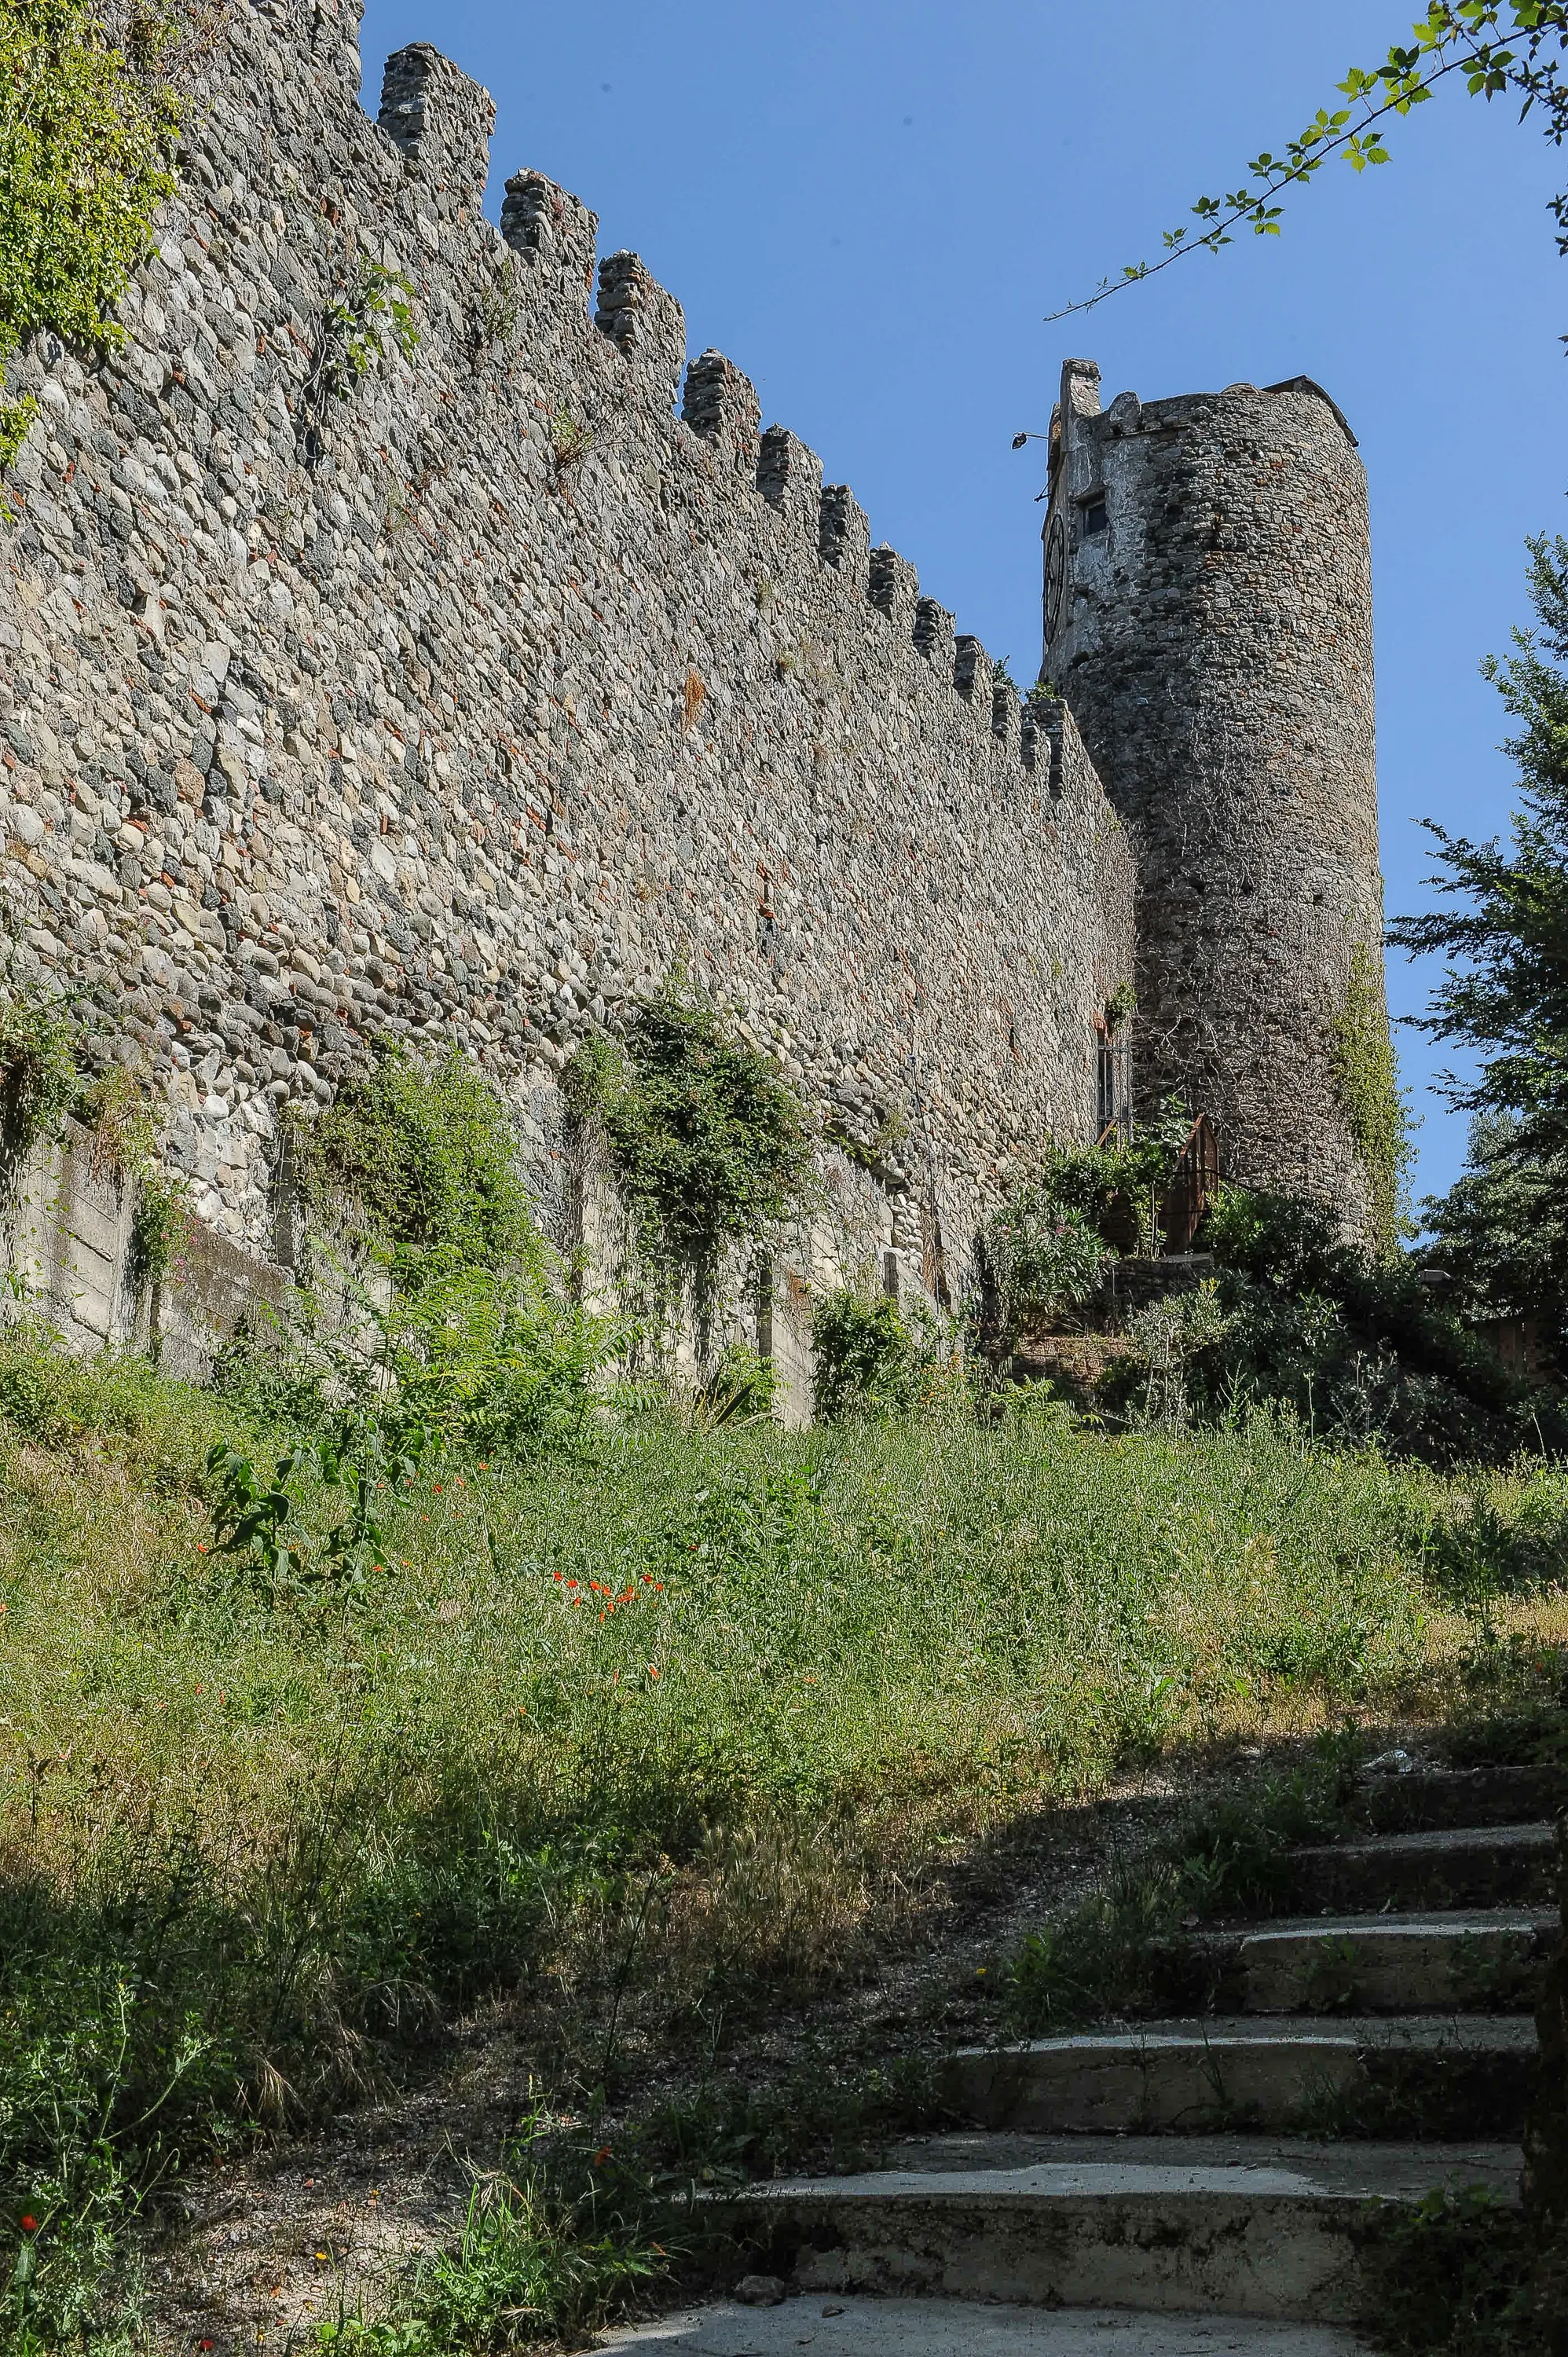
(161, 1225)
(496, 317)
(1449, 2277)
(375, 303)
(816, 2117)
(570, 443)
(1330, 1983)
(554, 2243)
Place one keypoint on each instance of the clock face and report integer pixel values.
(1056, 576)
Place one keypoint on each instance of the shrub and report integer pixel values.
(1043, 1256)
(1351, 1344)
(1116, 1191)
(870, 1360)
(500, 1365)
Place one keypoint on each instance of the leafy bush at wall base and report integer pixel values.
(38, 1072)
(1111, 1192)
(502, 1366)
(422, 1160)
(1353, 1345)
(706, 1143)
(870, 1359)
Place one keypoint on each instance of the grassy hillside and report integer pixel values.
(700, 1712)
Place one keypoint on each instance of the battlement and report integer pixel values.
(442, 124)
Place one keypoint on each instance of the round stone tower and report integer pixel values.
(1207, 620)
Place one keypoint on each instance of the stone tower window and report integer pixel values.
(1094, 517)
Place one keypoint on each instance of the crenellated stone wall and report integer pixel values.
(467, 702)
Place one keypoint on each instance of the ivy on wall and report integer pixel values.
(707, 1144)
(420, 1159)
(87, 132)
(38, 1074)
(1366, 1077)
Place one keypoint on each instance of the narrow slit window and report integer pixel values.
(1107, 1093)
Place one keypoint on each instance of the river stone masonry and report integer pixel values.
(464, 701)
(1208, 620)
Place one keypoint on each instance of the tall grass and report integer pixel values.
(706, 1710)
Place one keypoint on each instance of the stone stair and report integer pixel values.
(1203, 2185)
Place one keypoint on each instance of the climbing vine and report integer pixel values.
(87, 132)
(38, 1074)
(707, 1142)
(420, 1160)
(1367, 1079)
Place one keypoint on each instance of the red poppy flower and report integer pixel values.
(29, 2225)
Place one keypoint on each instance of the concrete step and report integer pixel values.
(1462, 2075)
(1155, 2226)
(1462, 1866)
(1429, 1798)
(964, 2328)
(1492, 1958)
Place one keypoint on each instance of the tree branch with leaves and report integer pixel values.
(1493, 47)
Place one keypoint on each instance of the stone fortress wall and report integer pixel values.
(1208, 620)
(467, 704)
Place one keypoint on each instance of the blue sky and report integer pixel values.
(870, 206)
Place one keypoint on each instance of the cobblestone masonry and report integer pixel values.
(467, 703)
(1208, 620)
